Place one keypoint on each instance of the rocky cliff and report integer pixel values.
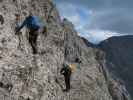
(24, 76)
(119, 58)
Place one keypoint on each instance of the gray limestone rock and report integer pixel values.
(37, 77)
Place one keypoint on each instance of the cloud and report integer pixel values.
(114, 20)
(99, 4)
(75, 14)
(112, 15)
(96, 36)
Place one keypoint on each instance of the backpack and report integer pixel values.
(72, 67)
(34, 22)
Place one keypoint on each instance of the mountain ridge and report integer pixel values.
(37, 77)
(118, 51)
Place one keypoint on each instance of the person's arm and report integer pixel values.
(62, 71)
(21, 26)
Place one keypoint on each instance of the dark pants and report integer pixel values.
(67, 80)
(33, 34)
(67, 75)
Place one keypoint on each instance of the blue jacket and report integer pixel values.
(31, 22)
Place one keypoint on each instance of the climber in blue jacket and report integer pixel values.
(33, 23)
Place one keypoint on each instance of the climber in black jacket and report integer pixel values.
(67, 70)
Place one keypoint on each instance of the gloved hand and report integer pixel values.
(16, 30)
(77, 60)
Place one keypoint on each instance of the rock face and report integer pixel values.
(119, 58)
(24, 76)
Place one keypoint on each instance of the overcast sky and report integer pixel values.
(98, 19)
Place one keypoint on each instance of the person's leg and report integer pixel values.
(67, 82)
(69, 76)
(34, 43)
(33, 40)
(30, 38)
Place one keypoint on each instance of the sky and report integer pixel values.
(98, 20)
